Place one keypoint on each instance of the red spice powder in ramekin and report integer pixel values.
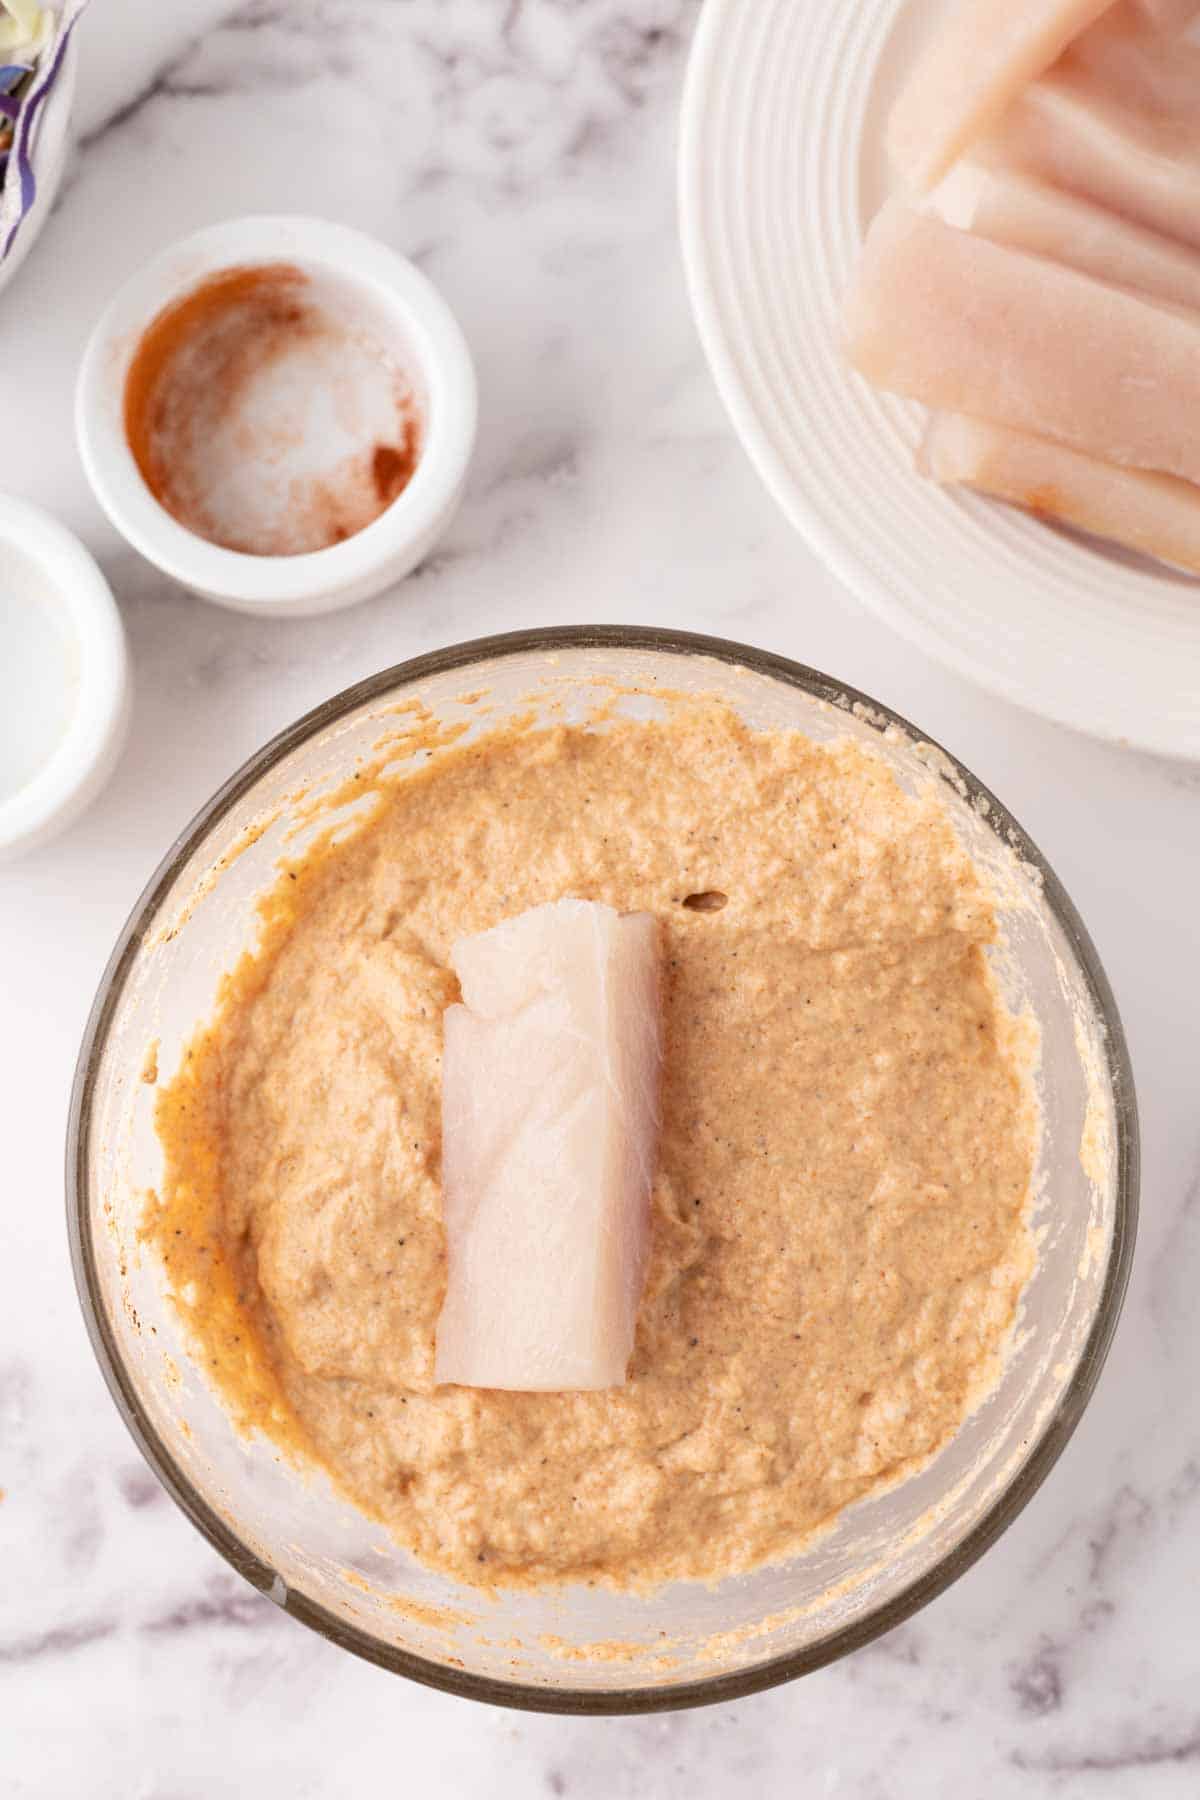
(263, 416)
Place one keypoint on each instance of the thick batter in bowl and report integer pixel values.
(588, 1646)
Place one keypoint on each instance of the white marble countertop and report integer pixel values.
(522, 151)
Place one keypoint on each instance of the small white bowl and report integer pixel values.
(63, 665)
(51, 144)
(318, 581)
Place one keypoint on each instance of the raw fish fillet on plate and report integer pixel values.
(1107, 140)
(549, 1137)
(1169, 15)
(973, 327)
(1014, 209)
(1148, 71)
(1154, 514)
(985, 53)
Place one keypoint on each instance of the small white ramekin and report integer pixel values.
(322, 580)
(86, 754)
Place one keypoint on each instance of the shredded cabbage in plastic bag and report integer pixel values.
(33, 44)
(23, 23)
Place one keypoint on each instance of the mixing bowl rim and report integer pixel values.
(646, 1698)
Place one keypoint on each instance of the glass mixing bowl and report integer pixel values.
(582, 1649)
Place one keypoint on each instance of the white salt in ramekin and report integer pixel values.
(96, 710)
(322, 580)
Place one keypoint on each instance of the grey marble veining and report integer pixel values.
(522, 151)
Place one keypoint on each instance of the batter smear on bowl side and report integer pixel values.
(840, 1215)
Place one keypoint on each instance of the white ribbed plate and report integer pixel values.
(781, 166)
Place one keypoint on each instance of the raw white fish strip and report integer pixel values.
(549, 1137)
(1154, 514)
(968, 326)
(1110, 143)
(983, 55)
(1170, 16)
(1010, 208)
